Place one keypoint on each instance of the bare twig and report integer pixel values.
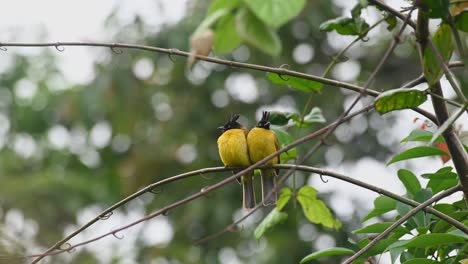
(170, 52)
(104, 215)
(400, 221)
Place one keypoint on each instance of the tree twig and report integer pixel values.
(279, 70)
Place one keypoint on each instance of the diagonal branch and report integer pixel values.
(354, 181)
(108, 212)
(402, 220)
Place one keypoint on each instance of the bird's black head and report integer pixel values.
(265, 121)
(231, 124)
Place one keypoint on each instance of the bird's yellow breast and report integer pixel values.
(232, 145)
(262, 142)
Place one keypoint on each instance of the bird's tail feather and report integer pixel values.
(268, 184)
(248, 192)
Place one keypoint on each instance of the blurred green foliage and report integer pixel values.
(162, 125)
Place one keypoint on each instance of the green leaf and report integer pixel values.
(284, 138)
(420, 220)
(436, 8)
(314, 209)
(327, 252)
(223, 4)
(314, 116)
(421, 135)
(284, 198)
(391, 21)
(379, 228)
(275, 13)
(447, 123)
(226, 37)
(444, 43)
(210, 20)
(295, 82)
(379, 248)
(443, 179)
(417, 152)
(255, 32)
(429, 240)
(398, 99)
(461, 21)
(275, 217)
(410, 181)
(382, 204)
(345, 26)
(281, 119)
(420, 261)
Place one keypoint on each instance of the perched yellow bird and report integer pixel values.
(233, 150)
(262, 142)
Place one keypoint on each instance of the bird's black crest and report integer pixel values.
(231, 124)
(265, 121)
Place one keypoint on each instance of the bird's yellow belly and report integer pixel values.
(261, 144)
(233, 150)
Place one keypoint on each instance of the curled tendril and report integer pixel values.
(59, 47)
(165, 212)
(106, 215)
(283, 67)
(116, 50)
(171, 53)
(282, 77)
(116, 236)
(155, 190)
(365, 38)
(3, 48)
(322, 179)
(65, 246)
(71, 250)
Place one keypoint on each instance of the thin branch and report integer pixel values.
(106, 213)
(448, 73)
(281, 71)
(170, 52)
(354, 181)
(421, 79)
(402, 220)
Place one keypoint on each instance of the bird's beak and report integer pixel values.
(220, 128)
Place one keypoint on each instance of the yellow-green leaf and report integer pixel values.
(443, 41)
(398, 99)
(284, 198)
(275, 217)
(255, 32)
(314, 209)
